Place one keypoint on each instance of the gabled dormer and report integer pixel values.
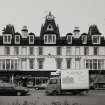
(24, 32)
(8, 33)
(31, 38)
(49, 30)
(17, 38)
(96, 39)
(69, 38)
(84, 38)
(76, 32)
(7, 38)
(95, 34)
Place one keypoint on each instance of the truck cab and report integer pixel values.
(53, 86)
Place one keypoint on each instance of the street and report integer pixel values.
(38, 97)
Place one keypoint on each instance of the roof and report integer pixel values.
(93, 30)
(69, 33)
(84, 34)
(31, 33)
(17, 33)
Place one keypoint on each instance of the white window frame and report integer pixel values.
(24, 50)
(31, 53)
(84, 42)
(68, 50)
(30, 40)
(98, 42)
(31, 63)
(15, 52)
(7, 35)
(7, 51)
(68, 39)
(77, 50)
(91, 64)
(97, 51)
(53, 40)
(15, 39)
(86, 50)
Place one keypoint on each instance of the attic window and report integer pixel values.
(31, 39)
(17, 39)
(69, 39)
(96, 39)
(7, 39)
(49, 28)
(84, 39)
(50, 39)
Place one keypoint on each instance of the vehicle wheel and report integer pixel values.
(18, 93)
(55, 93)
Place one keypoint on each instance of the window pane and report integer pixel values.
(12, 64)
(9, 38)
(40, 64)
(45, 38)
(84, 39)
(7, 64)
(31, 50)
(58, 50)
(7, 50)
(40, 50)
(95, 39)
(68, 50)
(58, 61)
(94, 64)
(16, 65)
(69, 39)
(3, 64)
(17, 39)
(68, 63)
(95, 50)
(31, 39)
(54, 40)
(31, 63)
(86, 51)
(87, 64)
(77, 51)
(16, 50)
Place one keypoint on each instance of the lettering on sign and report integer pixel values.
(67, 80)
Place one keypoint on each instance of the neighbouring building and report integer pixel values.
(26, 55)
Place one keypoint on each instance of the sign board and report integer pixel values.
(75, 79)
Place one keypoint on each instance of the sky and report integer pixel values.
(68, 13)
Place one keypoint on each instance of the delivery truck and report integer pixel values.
(68, 81)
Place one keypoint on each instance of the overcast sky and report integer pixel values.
(68, 13)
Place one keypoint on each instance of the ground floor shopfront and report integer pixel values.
(33, 78)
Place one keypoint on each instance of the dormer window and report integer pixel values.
(49, 28)
(50, 39)
(96, 39)
(31, 39)
(84, 39)
(17, 39)
(7, 39)
(69, 39)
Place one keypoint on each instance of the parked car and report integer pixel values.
(12, 89)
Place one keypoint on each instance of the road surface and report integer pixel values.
(39, 98)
